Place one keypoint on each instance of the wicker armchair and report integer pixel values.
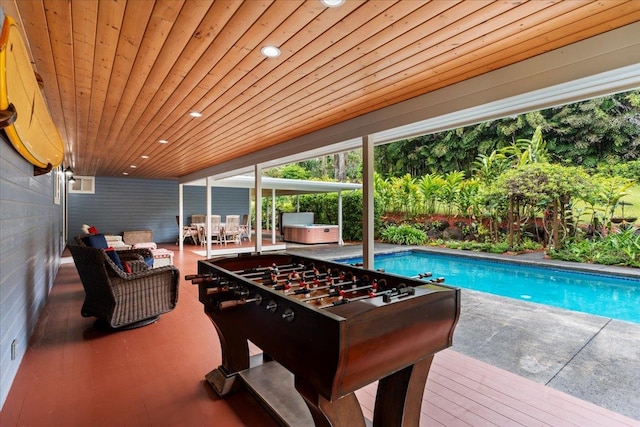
(121, 300)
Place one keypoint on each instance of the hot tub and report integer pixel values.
(311, 233)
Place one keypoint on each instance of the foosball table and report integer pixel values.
(326, 329)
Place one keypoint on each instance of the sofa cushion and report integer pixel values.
(95, 241)
(146, 245)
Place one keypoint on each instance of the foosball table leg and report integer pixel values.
(235, 358)
(222, 382)
(345, 411)
(399, 396)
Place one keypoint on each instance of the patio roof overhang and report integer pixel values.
(599, 66)
(282, 186)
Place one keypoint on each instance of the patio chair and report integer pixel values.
(245, 228)
(187, 232)
(123, 300)
(198, 219)
(232, 228)
(213, 231)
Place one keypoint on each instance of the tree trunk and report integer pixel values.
(556, 244)
(510, 219)
(340, 166)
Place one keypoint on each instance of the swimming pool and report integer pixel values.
(608, 296)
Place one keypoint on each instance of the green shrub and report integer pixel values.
(403, 234)
(622, 248)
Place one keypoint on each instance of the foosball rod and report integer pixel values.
(283, 286)
(306, 285)
(223, 305)
(303, 282)
(280, 272)
(303, 287)
(337, 292)
(262, 269)
(348, 300)
(388, 294)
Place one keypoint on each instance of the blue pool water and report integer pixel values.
(613, 297)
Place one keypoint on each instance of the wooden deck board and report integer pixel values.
(462, 391)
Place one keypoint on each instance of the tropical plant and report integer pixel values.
(542, 189)
(428, 187)
(487, 168)
(383, 192)
(466, 197)
(592, 133)
(405, 194)
(611, 190)
(449, 190)
(621, 248)
(403, 234)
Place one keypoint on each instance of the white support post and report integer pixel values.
(180, 215)
(273, 216)
(340, 241)
(258, 187)
(207, 224)
(367, 202)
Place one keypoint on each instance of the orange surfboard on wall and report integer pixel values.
(24, 115)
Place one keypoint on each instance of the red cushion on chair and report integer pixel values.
(126, 267)
(93, 230)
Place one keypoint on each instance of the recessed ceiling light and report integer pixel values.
(270, 51)
(133, 166)
(332, 3)
(163, 141)
(144, 156)
(195, 114)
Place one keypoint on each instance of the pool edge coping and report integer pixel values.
(602, 269)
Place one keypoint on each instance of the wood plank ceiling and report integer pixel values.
(122, 75)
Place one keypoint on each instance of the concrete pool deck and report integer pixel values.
(594, 358)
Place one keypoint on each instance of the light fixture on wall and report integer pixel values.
(68, 171)
(72, 179)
